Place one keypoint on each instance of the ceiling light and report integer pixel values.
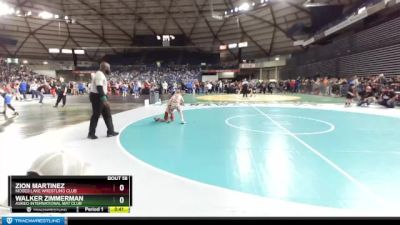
(45, 63)
(236, 9)
(222, 47)
(253, 4)
(276, 58)
(243, 44)
(45, 15)
(158, 37)
(66, 51)
(79, 52)
(54, 50)
(244, 7)
(65, 17)
(233, 45)
(5, 9)
(25, 61)
(56, 16)
(309, 3)
(361, 10)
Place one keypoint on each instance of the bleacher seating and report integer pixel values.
(372, 51)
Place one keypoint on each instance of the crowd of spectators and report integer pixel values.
(138, 80)
(366, 89)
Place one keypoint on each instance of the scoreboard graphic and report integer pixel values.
(70, 194)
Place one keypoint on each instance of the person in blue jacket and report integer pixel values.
(23, 88)
(7, 103)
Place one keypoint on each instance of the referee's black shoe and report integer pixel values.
(112, 134)
(92, 136)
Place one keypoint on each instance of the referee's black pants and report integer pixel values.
(59, 97)
(245, 91)
(99, 108)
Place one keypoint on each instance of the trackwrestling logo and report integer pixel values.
(33, 220)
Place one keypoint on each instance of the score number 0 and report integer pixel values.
(121, 199)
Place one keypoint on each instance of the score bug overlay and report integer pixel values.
(70, 194)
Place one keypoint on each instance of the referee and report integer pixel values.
(99, 100)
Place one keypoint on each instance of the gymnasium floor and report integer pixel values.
(308, 156)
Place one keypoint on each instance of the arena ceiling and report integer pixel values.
(110, 26)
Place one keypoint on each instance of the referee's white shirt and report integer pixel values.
(99, 79)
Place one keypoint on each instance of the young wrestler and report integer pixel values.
(7, 102)
(168, 114)
(174, 103)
